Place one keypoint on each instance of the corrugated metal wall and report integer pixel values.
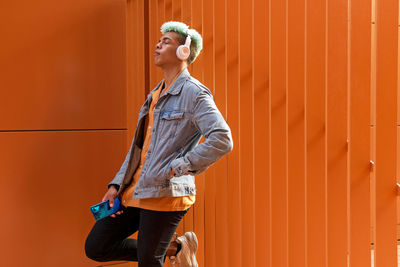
(309, 89)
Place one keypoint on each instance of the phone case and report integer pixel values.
(103, 209)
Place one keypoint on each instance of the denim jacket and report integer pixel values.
(182, 115)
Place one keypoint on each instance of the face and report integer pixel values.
(165, 52)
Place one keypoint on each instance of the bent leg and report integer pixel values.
(107, 241)
(156, 230)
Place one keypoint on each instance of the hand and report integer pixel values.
(110, 195)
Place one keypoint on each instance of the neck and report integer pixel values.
(171, 72)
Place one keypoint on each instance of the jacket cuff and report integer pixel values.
(180, 166)
(115, 185)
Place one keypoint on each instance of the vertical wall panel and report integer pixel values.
(135, 67)
(296, 131)
(154, 35)
(373, 129)
(221, 213)
(209, 190)
(199, 208)
(386, 108)
(186, 13)
(176, 10)
(135, 63)
(234, 186)
(186, 18)
(336, 133)
(373, 197)
(316, 133)
(261, 135)
(359, 132)
(278, 132)
(246, 132)
(168, 9)
(160, 13)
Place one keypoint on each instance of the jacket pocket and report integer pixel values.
(169, 121)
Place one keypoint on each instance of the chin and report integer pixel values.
(158, 62)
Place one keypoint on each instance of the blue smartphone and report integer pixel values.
(103, 209)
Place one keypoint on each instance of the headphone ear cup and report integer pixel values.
(183, 52)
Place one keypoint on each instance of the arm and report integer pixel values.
(212, 125)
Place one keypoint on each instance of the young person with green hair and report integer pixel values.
(155, 183)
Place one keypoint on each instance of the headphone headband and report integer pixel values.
(188, 40)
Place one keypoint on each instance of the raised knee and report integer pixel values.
(92, 251)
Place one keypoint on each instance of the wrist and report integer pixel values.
(113, 187)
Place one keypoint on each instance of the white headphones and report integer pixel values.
(183, 51)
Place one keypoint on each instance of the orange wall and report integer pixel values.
(63, 124)
(301, 85)
(309, 89)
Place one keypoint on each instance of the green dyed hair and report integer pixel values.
(181, 28)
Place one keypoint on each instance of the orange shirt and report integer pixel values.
(161, 203)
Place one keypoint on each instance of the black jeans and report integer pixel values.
(108, 240)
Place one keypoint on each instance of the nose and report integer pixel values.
(158, 46)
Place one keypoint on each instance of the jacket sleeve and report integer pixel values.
(218, 138)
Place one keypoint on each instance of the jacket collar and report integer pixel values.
(178, 84)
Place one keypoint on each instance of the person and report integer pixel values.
(155, 183)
